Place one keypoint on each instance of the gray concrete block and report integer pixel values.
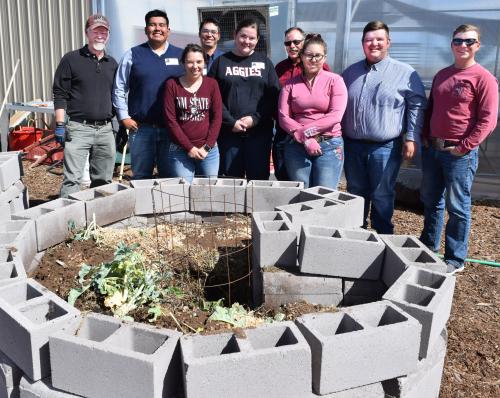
(354, 205)
(10, 376)
(427, 296)
(362, 291)
(228, 365)
(10, 170)
(340, 252)
(54, 220)
(141, 360)
(41, 389)
(283, 286)
(360, 345)
(11, 268)
(322, 212)
(274, 242)
(14, 199)
(425, 381)
(266, 195)
(403, 251)
(375, 390)
(29, 313)
(160, 196)
(109, 203)
(19, 236)
(217, 195)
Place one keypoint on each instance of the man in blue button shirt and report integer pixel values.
(382, 122)
(138, 95)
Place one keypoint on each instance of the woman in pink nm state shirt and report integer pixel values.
(311, 106)
(193, 113)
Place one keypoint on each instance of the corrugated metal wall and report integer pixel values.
(39, 33)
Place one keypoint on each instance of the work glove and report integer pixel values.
(60, 133)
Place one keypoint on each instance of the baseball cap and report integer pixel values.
(97, 20)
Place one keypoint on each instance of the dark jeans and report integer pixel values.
(148, 145)
(371, 170)
(447, 182)
(278, 152)
(245, 156)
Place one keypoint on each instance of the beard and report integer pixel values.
(99, 46)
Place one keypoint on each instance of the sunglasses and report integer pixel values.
(288, 43)
(459, 42)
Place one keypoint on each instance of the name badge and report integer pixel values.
(171, 61)
(258, 65)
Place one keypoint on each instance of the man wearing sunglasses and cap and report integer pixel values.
(82, 88)
(463, 111)
(286, 69)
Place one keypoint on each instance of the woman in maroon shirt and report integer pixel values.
(193, 114)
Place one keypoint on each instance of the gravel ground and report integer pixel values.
(472, 367)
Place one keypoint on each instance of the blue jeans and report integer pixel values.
(245, 156)
(322, 170)
(371, 170)
(179, 164)
(447, 181)
(148, 146)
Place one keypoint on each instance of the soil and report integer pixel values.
(472, 367)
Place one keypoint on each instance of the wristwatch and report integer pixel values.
(207, 148)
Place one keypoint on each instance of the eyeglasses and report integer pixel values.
(459, 42)
(314, 57)
(288, 43)
(209, 31)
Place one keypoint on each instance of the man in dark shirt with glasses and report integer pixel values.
(82, 88)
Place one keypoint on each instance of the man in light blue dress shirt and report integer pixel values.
(381, 125)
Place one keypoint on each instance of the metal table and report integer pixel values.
(48, 108)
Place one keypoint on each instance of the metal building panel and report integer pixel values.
(38, 33)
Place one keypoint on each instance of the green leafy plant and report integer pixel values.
(238, 316)
(124, 283)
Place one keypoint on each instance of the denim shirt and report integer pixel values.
(385, 100)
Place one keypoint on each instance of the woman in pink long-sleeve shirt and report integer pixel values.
(311, 107)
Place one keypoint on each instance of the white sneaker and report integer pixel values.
(452, 270)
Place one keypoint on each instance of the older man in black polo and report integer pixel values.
(82, 88)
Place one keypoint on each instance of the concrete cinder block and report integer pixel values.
(354, 205)
(361, 291)
(14, 199)
(160, 196)
(403, 251)
(11, 268)
(217, 195)
(10, 376)
(425, 381)
(360, 345)
(266, 195)
(374, 390)
(10, 169)
(54, 220)
(322, 212)
(228, 365)
(340, 252)
(274, 242)
(19, 236)
(29, 313)
(427, 296)
(283, 286)
(141, 360)
(41, 389)
(109, 203)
